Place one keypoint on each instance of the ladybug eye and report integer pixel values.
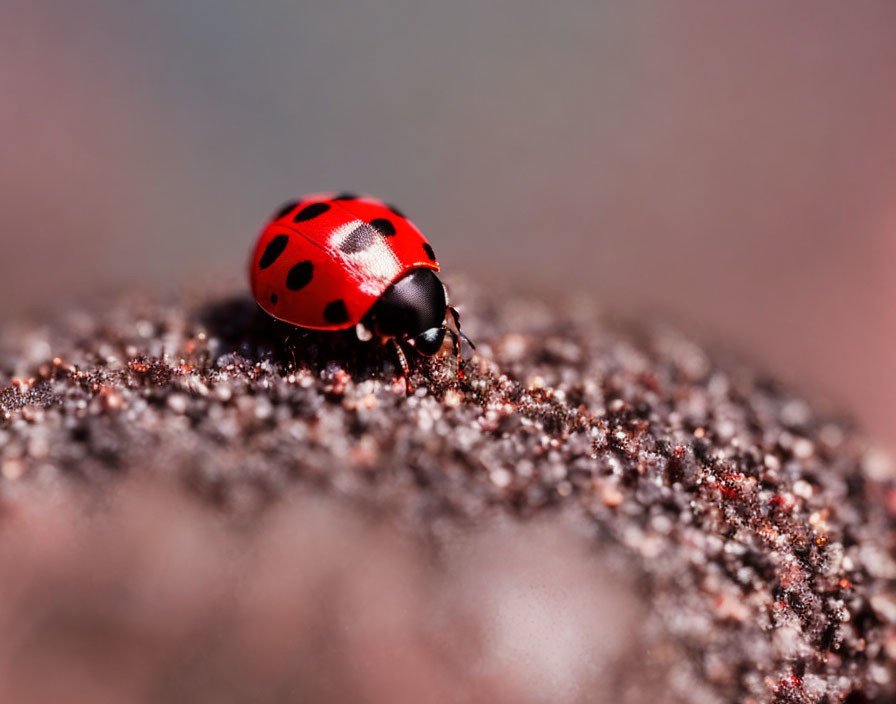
(429, 342)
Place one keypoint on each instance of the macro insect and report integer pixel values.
(335, 261)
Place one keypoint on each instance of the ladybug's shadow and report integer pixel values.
(241, 327)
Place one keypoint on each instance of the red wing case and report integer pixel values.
(325, 259)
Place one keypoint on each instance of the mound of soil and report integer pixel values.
(200, 504)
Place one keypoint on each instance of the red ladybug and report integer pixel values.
(333, 261)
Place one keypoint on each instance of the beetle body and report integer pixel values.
(333, 261)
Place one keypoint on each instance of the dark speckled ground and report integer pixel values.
(755, 537)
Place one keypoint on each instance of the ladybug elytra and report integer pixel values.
(331, 261)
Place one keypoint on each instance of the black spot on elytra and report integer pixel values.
(274, 299)
(429, 252)
(336, 312)
(396, 211)
(346, 196)
(310, 212)
(300, 276)
(359, 239)
(285, 209)
(273, 251)
(383, 226)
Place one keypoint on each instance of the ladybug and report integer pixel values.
(335, 261)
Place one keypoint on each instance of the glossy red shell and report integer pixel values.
(324, 261)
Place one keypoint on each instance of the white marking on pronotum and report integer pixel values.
(374, 265)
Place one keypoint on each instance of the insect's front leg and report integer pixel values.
(402, 361)
(455, 339)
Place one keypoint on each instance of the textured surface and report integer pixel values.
(744, 540)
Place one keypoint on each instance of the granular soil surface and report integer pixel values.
(744, 540)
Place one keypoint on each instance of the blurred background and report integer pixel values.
(732, 165)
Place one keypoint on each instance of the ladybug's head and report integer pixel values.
(412, 310)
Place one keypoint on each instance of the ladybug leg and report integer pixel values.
(402, 361)
(456, 316)
(292, 350)
(455, 337)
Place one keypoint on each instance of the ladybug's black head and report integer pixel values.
(412, 309)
